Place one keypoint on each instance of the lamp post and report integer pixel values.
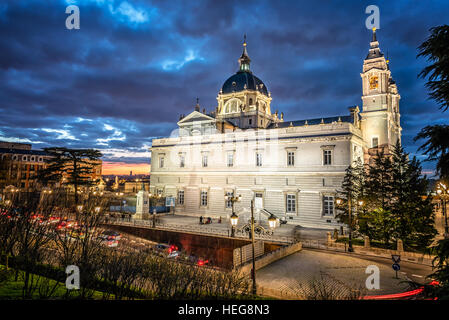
(443, 193)
(253, 273)
(234, 221)
(154, 218)
(340, 202)
(234, 218)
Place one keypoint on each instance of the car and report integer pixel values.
(109, 243)
(174, 255)
(161, 247)
(110, 235)
(202, 262)
(61, 225)
(54, 220)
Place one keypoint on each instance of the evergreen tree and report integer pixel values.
(352, 189)
(396, 205)
(410, 205)
(75, 165)
(377, 224)
(378, 183)
(436, 147)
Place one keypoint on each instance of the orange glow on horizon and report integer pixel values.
(122, 168)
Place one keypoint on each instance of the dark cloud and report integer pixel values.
(135, 65)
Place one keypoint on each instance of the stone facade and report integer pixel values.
(292, 169)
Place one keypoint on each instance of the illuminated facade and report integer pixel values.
(290, 168)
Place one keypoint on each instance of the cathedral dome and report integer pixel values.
(244, 81)
(244, 78)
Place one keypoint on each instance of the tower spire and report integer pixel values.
(244, 59)
(374, 50)
(197, 107)
(374, 35)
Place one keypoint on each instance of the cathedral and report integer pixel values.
(290, 168)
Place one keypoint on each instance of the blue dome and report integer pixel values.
(238, 81)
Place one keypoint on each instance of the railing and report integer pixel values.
(195, 229)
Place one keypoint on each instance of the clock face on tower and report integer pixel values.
(373, 82)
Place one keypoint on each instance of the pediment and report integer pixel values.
(195, 116)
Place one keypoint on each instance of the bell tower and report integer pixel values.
(380, 100)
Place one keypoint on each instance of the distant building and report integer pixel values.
(19, 165)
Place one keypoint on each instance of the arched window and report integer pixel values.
(232, 106)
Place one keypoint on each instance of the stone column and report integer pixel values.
(400, 246)
(335, 234)
(142, 205)
(367, 243)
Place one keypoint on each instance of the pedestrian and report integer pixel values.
(219, 220)
(201, 219)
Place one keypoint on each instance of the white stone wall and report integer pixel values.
(308, 179)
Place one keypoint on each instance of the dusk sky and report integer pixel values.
(134, 66)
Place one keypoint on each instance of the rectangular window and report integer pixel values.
(258, 159)
(181, 197)
(328, 205)
(229, 202)
(182, 161)
(375, 142)
(161, 162)
(204, 161)
(290, 158)
(230, 159)
(291, 203)
(250, 121)
(327, 157)
(203, 198)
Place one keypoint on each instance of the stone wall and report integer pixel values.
(271, 257)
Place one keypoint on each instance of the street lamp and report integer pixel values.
(339, 202)
(234, 218)
(253, 273)
(443, 193)
(234, 221)
(272, 221)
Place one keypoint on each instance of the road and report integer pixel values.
(296, 273)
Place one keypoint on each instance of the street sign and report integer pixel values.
(396, 258)
(170, 201)
(396, 267)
